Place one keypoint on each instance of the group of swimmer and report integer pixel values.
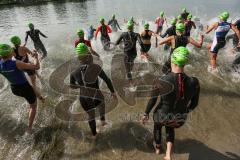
(15, 63)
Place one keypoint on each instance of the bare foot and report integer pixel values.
(42, 98)
(29, 131)
(157, 149)
(167, 158)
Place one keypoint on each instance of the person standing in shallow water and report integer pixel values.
(13, 71)
(91, 31)
(114, 24)
(90, 95)
(104, 30)
(173, 108)
(34, 35)
(130, 39)
(21, 53)
(221, 30)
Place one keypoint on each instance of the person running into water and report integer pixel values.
(179, 41)
(171, 31)
(159, 23)
(221, 29)
(114, 24)
(131, 20)
(173, 108)
(104, 30)
(13, 71)
(146, 36)
(91, 31)
(184, 14)
(21, 53)
(234, 37)
(198, 23)
(81, 39)
(189, 24)
(130, 39)
(34, 35)
(90, 95)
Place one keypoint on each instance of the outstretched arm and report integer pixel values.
(198, 43)
(29, 66)
(98, 30)
(166, 40)
(209, 29)
(26, 38)
(234, 28)
(118, 25)
(42, 34)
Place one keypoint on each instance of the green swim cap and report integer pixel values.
(102, 20)
(180, 56)
(161, 13)
(5, 50)
(179, 17)
(15, 40)
(180, 27)
(224, 16)
(189, 17)
(113, 16)
(80, 33)
(81, 49)
(30, 25)
(184, 10)
(130, 25)
(146, 26)
(174, 21)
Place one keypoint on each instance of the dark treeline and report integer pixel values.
(4, 2)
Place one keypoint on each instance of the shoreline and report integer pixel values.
(27, 2)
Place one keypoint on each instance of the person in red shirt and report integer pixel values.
(81, 39)
(105, 30)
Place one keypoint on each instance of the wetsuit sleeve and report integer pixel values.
(109, 29)
(26, 38)
(72, 81)
(119, 39)
(42, 34)
(107, 81)
(98, 29)
(165, 34)
(118, 25)
(151, 104)
(194, 101)
(76, 43)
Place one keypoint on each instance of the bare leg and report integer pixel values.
(168, 151)
(32, 114)
(33, 83)
(212, 57)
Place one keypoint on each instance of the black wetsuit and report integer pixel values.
(180, 41)
(24, 59)
(38, 45)
(146, 47)
(130, 41)
(184, 15)
(171, 31)
(188, 28)
(114, 25)
(90, 95)
(173, 108)
(234, 36)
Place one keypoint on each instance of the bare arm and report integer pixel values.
(198, 43)
(28, 51)
(166, 40)
(234, 28)
(209, 29)
(29, 66)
